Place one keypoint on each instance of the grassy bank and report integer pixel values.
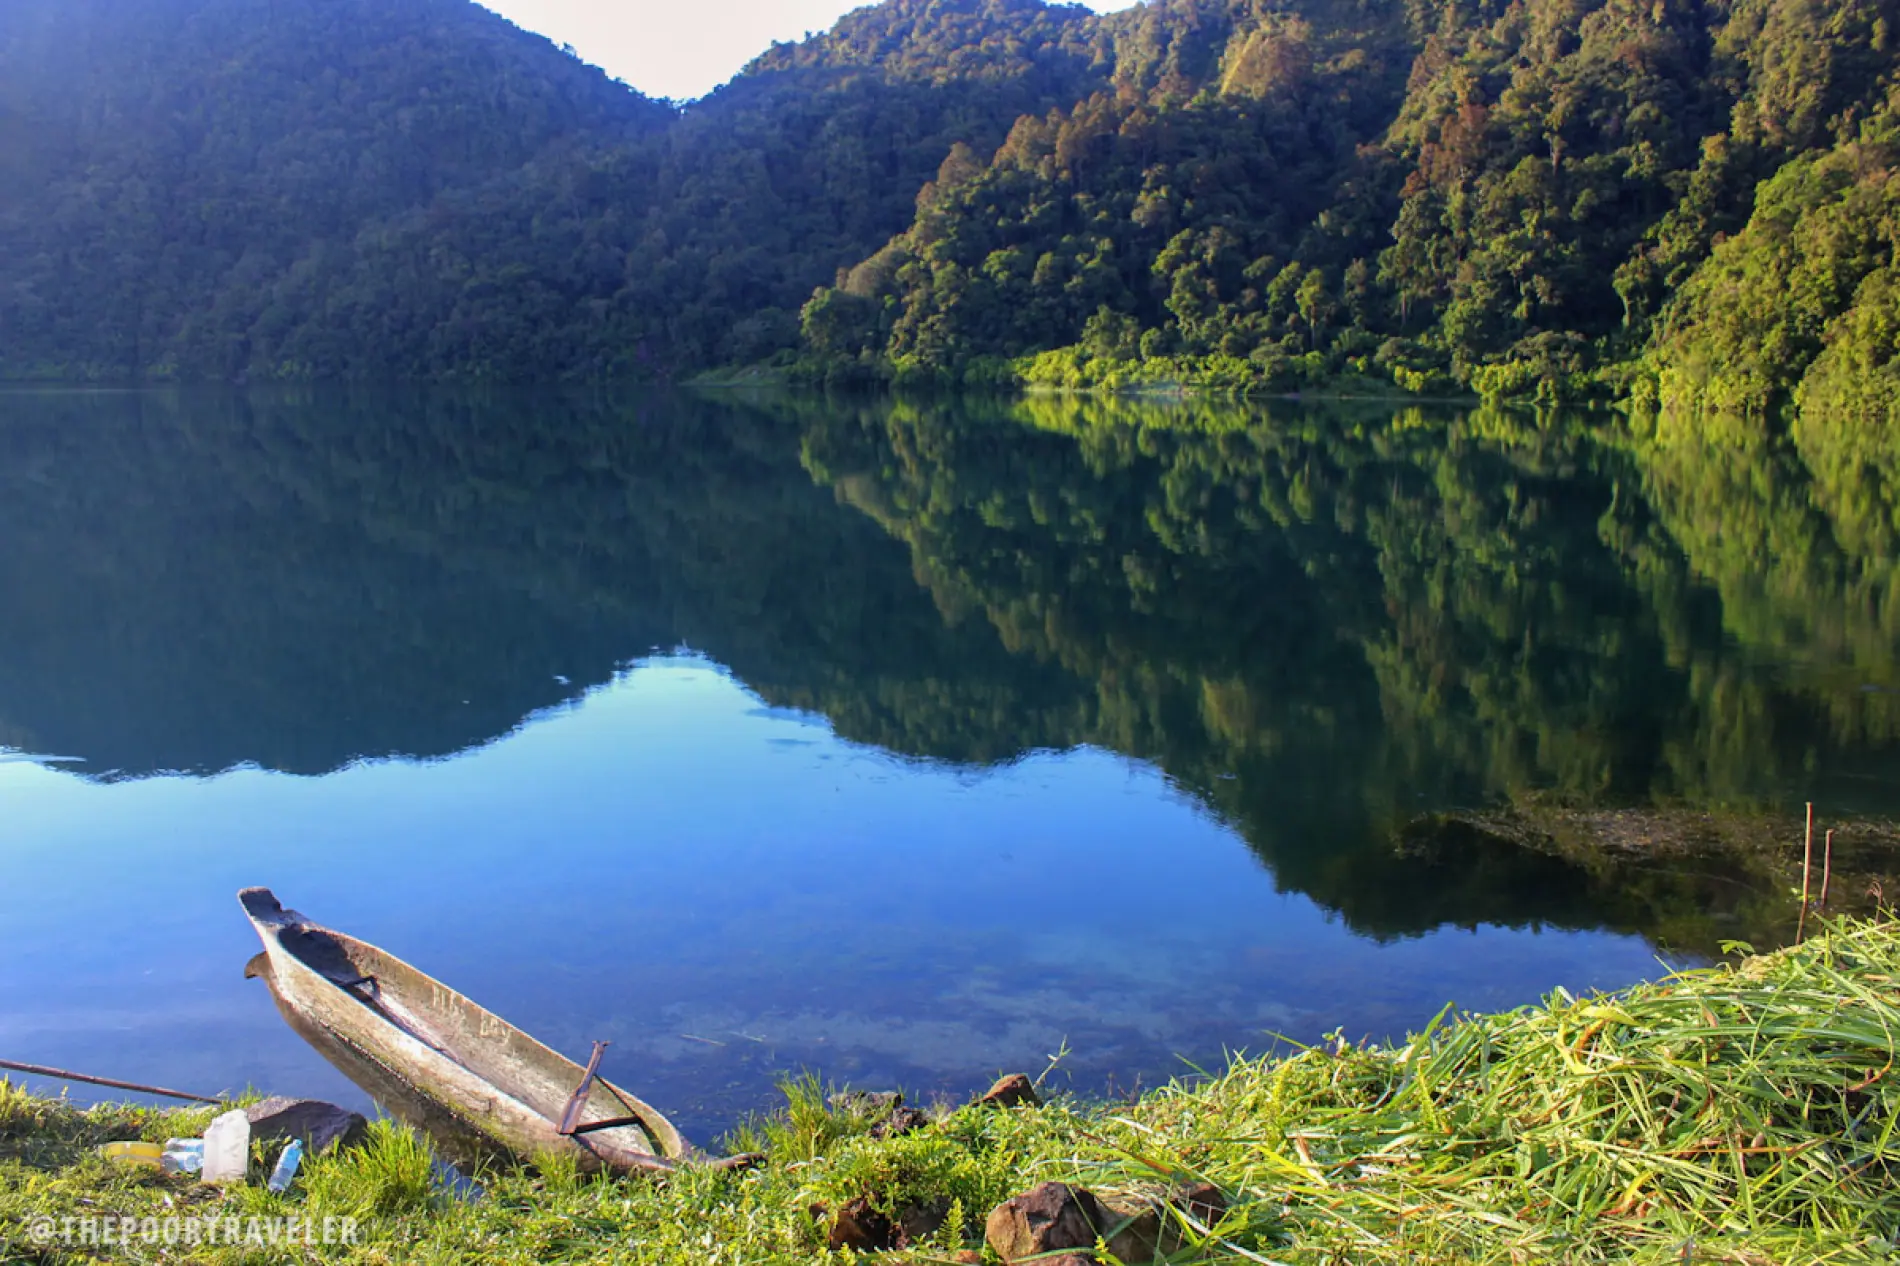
(1742, 1114)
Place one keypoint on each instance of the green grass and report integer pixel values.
(391, 1175)
(1744, 1114)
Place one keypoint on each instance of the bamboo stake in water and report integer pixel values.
(1827, 868)
(1807, 868)
(1807, 857)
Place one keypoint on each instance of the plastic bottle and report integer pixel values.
(286, 1171)
(183, 1156)
(228, 1148)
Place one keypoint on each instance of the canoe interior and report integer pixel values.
(454, 1138)
(460, 1031)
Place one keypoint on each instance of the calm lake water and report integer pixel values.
(904, 743)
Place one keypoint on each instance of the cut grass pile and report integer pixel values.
(1740, 1114)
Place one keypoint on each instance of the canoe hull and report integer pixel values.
(462, 1061)
(454, 1138)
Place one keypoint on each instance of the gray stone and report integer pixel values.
(885, 1108)
(1203, 1201)
(320, 1125)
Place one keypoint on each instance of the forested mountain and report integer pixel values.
(1532, 196)
(192, 178)
(1688, 200)
(417, 189)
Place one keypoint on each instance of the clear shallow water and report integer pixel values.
(755, 739)
(670, 866)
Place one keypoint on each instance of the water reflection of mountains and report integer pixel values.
(1321, 623)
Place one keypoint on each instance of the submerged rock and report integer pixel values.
(320, 1125)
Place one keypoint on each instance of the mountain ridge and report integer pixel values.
(1244, 194)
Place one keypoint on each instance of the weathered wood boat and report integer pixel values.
(430, 1055)
(454, 1139)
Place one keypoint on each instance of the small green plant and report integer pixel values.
(815, 1119)
(927, 1174)
(20, 1113)
(392, 1174)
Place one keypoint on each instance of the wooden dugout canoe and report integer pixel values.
(453, 1138)
(456, 1064)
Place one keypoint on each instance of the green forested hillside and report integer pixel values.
(1549, 195)
(191, 176)
(417, 189)
(1684, 200)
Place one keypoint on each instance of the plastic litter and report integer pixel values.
(286, 1171)
(183, 1156)
(134, 1155)
(228, 1148)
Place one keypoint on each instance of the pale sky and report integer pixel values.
(681, 48)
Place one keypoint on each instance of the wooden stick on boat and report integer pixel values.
(61, 1074)
(570, 1126)
(571, 1119)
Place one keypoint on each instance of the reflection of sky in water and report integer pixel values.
(726, 892)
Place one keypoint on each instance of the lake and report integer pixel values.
(907, 743)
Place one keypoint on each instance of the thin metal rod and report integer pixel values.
(61, 1074)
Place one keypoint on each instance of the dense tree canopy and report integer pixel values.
(320, 189)
(1687, 201)
(1510, 198)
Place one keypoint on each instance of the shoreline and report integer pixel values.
(1744, 1109)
